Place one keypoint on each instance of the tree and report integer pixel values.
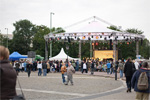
(38, 39)
(133, 30)
(22, 36)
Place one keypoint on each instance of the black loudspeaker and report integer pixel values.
(110, 44)
(141, 42)
(69, 40)
(46, 46)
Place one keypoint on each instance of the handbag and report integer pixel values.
(20, 96)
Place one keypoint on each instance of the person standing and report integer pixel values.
(128, 71)
(120, 65)
(84, 67)
(44, 67)
(108, 67)
(77, 65)
(48, 66)
(39, 66)
(141, 94)
(92, 67)
(70, 71)
(8, 76)
(63, 70)
(17, 67)
(29, 68)
(136, 65)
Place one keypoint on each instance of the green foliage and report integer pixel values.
(38, 39)
(114, 28)
(133, 30)
(22, 36)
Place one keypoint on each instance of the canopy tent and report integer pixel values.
(16, 56)
(38, 57)
(62, 56)
(94, 32)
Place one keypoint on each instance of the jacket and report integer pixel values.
(8, 78)
(44, 66)
(70, 70)
(63, 69)
(128, 69)
(135, 78)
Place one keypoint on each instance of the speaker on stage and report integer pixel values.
(110, 44)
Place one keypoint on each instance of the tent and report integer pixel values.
(38, 57)
(16, 56)
(62, 56)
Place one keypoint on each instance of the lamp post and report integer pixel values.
(67, 47)
(51, 33)
(7, 36)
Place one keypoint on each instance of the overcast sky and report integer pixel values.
(125, 13)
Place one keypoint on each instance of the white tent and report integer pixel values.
(62, 56)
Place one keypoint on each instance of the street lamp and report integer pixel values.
(67, 47)
(51, 33)
(7, 36)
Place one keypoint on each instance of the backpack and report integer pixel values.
(142, 81)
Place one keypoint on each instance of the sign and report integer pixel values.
(31, 54)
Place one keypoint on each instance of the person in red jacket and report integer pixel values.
(8, 76)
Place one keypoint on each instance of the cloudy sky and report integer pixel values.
(125, 13)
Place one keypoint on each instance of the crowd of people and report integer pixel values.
(10, 70)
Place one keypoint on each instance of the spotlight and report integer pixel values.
(89, 38)
(78, 39)
(100, 36)
(105, 38)
(92, 36)
(69, 39)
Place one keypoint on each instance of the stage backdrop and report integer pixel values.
(104, 54)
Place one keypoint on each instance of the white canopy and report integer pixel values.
(93, 26)
(62, 56)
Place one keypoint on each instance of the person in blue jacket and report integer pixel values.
(141, 94)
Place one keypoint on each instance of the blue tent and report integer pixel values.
(16, 56)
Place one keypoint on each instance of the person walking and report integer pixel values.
(63, 70)
(39, 66)
(141, 94)
(8, 76)
(70, 71)
(128, 71)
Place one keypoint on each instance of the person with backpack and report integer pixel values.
(141, 82)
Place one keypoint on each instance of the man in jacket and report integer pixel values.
(141, 94)
(7, 76)
(70, 71)
(44, 66)
(128, 71)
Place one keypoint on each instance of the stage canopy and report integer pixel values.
(62, 56)
(95, 30)
(16, 56)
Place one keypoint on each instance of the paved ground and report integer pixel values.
(85, 87)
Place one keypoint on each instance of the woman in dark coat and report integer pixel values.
(128, 71)
(8, 76)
